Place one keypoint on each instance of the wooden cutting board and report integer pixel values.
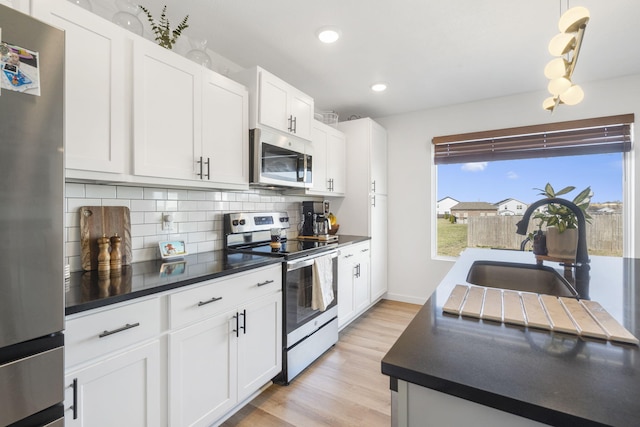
(108, 220)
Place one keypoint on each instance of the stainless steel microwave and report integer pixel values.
(280, 160)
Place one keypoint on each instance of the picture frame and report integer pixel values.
(172, 249)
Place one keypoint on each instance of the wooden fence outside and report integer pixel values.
(604, 233)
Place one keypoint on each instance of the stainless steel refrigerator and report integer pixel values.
(31, 222)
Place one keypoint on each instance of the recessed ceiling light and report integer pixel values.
(328, 34)
(379, 87)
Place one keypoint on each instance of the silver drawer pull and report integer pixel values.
(214, 299)
(348, 255)
(364, 250)
(115, 331)
(265, 283)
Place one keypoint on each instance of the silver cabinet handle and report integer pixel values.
(348, 255)
(200, 163)
(214, 299)
(208, 168)
(373, 200)
(244, 321)
(373, 185)
(364, 250)
(295, 125)
(115, 331)
(266, 282)
(290, 120)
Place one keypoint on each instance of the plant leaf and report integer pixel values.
(565, 190)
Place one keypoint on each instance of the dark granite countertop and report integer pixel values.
(87, 291)
(553, 378)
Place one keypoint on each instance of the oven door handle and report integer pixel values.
(296, 265)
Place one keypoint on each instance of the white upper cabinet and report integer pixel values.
(167, 114)
(97, 63)
(329, 161)
(138, 113)
(277, 104)
(225, 129)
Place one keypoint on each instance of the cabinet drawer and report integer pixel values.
(101, 333)
(216, 296)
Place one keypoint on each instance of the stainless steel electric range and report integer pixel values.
(307, 332)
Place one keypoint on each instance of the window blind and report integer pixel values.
(589, 136)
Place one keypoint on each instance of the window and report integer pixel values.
(507, 165)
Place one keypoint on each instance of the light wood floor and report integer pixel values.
(344, 387)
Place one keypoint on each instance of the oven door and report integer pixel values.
(280, 160)
(298, 293)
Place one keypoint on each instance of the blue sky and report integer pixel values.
(495, 181)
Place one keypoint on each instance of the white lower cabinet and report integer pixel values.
(189, 357)
(225, 342)
(217, 363)
(122, 390)
(353, 282)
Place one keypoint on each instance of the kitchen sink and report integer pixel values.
(520, 277)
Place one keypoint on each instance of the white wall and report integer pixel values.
(413, 273)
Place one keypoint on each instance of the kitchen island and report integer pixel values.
(542, 376)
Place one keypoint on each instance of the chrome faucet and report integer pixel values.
(582, 256)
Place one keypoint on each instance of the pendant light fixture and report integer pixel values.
(565, 46)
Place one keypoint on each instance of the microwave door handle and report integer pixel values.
(302, 168)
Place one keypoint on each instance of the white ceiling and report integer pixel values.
(430, 53)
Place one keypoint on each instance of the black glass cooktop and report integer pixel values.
(290, 248)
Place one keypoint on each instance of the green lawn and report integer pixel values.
(452, 238)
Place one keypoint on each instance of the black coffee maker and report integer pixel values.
(315, 218)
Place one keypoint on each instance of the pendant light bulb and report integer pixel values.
(573, 19)
(556, 68)
(561, 44)
(572, 96)
(558, 86)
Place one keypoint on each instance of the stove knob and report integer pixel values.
(242, 222)
(235, 222)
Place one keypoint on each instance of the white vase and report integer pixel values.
(562, 245)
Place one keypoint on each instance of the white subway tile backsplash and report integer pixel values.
(155, 194)
(100, 191)
(130, 192)
(197, 214)
(74, 190)
(138, 230)
(143, 205)
(187, 205)
(177, 194)
(196, 195)
(116, 202)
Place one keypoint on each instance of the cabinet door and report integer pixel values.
(320, 178)
(225, 124)
(202, 370)
(273, 107)
(302, 113)
(336, 165)
(167, 107)
(378, 158)
(259, 344)
(379, 245)
(346, 274)
(96, 67)
(123, 390)
(361, 288)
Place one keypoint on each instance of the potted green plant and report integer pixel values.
(561, 222)
(165, 36)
